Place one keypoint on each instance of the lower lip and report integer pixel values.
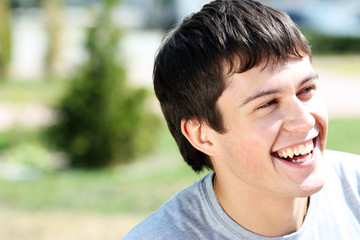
(305, 163)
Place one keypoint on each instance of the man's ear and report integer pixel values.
(198, 135)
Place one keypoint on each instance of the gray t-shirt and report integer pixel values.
(194, 213)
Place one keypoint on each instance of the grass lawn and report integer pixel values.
(138, 188)
(29, 91)
(344, 135)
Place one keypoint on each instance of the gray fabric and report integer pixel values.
(194, 213)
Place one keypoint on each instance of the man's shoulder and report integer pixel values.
(174, 217)
(342, 159)
(339, 201)
(345, 165)
(158, 225)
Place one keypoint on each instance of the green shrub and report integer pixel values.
(326, 44)
(102, 119)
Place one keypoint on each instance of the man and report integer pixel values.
(240, 96)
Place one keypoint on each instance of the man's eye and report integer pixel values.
(307, 93)
(268, 104)
(307, 90)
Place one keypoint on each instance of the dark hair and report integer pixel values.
(189, 70)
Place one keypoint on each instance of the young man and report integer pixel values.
(240, 96)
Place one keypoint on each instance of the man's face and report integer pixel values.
(276, 127)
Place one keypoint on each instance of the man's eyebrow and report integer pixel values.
(260, 94)
(273, 90)
(308, 78)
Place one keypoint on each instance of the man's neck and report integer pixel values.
(262, 215)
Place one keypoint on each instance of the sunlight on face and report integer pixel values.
(269, 113)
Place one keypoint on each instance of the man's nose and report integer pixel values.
(298, 117)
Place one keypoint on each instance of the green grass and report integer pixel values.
(38, 91)
(344, 135)
(138, 188)
(105, 191)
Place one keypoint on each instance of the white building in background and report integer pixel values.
(138, 45)
(30, 42)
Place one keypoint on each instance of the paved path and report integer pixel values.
(64, 225)
(341, 94)
(28, 115)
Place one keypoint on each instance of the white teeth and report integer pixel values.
(309, 146)
(302, 149)
(290, 153)
(298, 161)
(301, 160)
(296, 152)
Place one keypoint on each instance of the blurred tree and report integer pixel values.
(102, 119)
(54, 28)
(5, 38)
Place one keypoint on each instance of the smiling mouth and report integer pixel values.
(297, 154)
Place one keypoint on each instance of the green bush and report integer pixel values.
(103, 120)
(326, 44)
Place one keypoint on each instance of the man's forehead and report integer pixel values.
(267, 73)
(240, 64)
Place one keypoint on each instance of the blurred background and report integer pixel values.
(84, 150)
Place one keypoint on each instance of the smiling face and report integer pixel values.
(276, 127)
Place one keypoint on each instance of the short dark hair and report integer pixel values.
(189, 70)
